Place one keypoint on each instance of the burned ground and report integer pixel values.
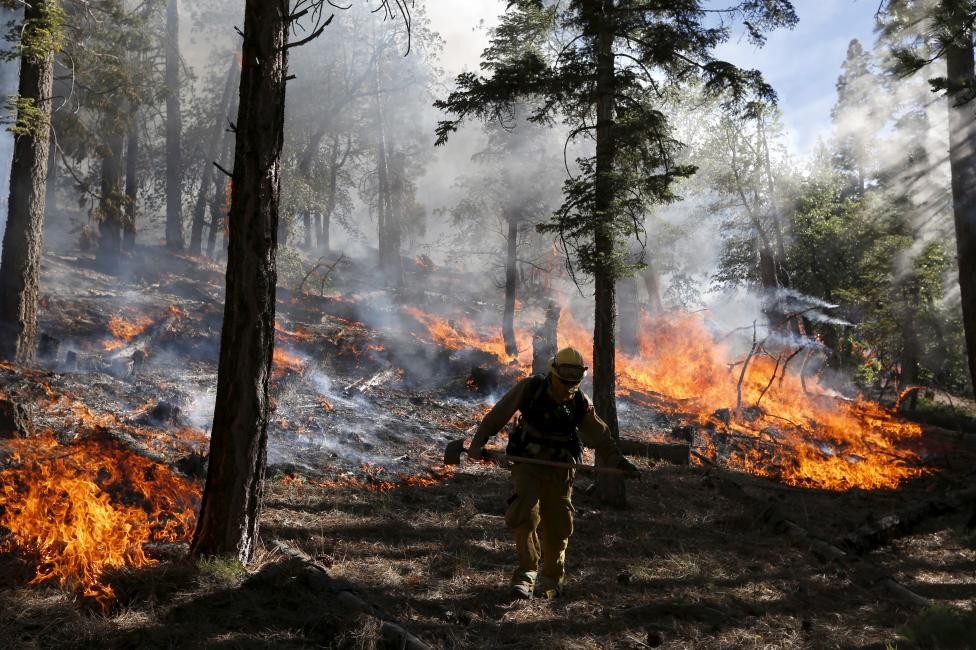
(702, 557)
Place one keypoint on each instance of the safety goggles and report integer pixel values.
(569, 373)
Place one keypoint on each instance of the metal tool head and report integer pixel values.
(452, 453)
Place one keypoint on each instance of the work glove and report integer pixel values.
(629, 468)
(475, 452)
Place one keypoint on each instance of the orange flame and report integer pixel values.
(461, 332)
(284, 362)
(828, 442)
(89, 508)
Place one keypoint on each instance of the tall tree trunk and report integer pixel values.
(962, 163)
(610, 488)
(382, 189)
(174, 127)
(307, 224)
(511, 280)
(652, 283)
(396, 172)
(20, 264)
(52, 174)
(213, 150)
(911, 349)
(131, 186)
(110, 204)
(325, 218)
(220, 205)
(628, 319)
(231, 508)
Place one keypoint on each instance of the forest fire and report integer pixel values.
(91, 507)
(125, 330)
(284, 362)
(794, 430)
(819, 440)
(461, 332)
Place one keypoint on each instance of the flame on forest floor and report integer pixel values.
(124, 330)
(297, 335)
(461, 332)
(88, 507)
(809, 437)
(284, 362)
(801, 433)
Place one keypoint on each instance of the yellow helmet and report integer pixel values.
(568, 366)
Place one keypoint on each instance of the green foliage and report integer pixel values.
(38, 38)
(31, 120)
(941, 628)
(221, 570)
(545, 54)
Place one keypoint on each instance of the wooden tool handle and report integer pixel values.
(552, 463)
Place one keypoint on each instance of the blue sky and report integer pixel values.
(801, 64)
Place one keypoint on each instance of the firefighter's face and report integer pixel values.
(562, 390)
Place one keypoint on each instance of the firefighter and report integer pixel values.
(556, 419)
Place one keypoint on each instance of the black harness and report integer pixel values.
(546, 428)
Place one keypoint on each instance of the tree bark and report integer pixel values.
(544, 340)
(174, 127)
(962, 163)
(628, 320)
(325, 218)
(508, 317)
(610, 488)
(231, 508)
(110, 206)
(213, 150)
(652, 283)
(131, 186)
(20, 265)
(220, 206)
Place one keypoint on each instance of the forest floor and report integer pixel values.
(701, 557)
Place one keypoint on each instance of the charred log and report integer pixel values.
(15, 420)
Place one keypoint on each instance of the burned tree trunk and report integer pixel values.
(220, 204)
(213, 150)
(335, 164)
(628, 322)
(511, 279)
(652, 283)
(131, 187)
(962, 164)
(544, 341)
(110, 203)
(20, 266)
(174, 127)
(229, 514)
(610, 488)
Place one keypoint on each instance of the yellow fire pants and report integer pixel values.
(542, 495)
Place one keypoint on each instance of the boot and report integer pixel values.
(550, 587)
(522, 583)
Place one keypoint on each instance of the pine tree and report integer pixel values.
(20, 265)
(606, 68)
